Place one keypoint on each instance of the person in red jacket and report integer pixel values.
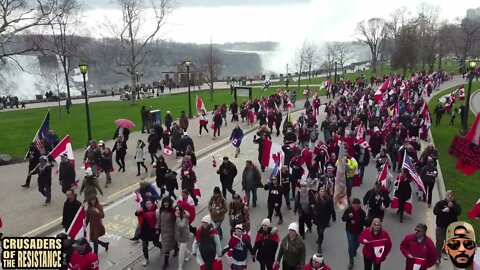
(418, 249)
(83, 258)
(376, 245)
(316, 263)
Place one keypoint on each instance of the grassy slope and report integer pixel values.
(466, 188)
(20, 126)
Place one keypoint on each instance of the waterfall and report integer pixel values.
(24, 83)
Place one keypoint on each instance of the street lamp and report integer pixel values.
(84, 70)
(335, 72)
(472, 65)
(187, 64)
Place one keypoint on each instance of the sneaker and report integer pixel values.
(280, 222)
(25, 186)
(145, 262)
(445, 257)
(199, 135)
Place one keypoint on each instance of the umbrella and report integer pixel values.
(124, 123)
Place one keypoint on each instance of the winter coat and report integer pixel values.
(176, 136)
(189, 206)
(323, 211)
(297, 208)
(239, 248)
(445, 218)
(106, 160)
(167, 229)
(140, 154)
(217, 120)
(227, 172)
(95, 220)
(120, 148)
(292, 251)
(274, 194)
(238, 214)
(376, 142)
(93, 155)
(161, 170)
(182, 232)
(404, 190)
(69, 211)
(184, 143)
(425, 250)
(217, 207)
(237, 133)
(360, 219)
(86, 261)
(66, 175)
(148, 220)
(266, 245)
(44, 174)
(208, 250)
(188, 180)
(171, 181)
(258, 178)
(153, 143)
(184, 121)
(375, 241)
(374, 200)
(149, 188)
(89, 187)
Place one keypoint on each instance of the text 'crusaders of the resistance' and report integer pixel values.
(31, 253)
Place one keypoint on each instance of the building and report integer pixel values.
(473, 13)
(178, 76)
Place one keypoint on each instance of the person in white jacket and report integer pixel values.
(207, 247)
(203, 122)
(140, 154)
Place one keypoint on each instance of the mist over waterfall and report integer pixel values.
(24, 84)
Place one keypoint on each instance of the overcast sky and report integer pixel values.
(286, 21)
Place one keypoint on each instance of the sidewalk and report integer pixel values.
(22, 206)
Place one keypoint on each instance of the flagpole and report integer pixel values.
(38, 130)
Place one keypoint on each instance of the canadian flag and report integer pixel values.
(360, 139)
(196, 190)
(200, 105)
(271, 153)
(379, 248)
(473, 136)
(403, 86)
(461, 92)
(426, 119)
(408, 207)
(168, 150)
(305, 92)
(325, 84)
(417, 263)
(78, 228)
(395, 81)
(63, 147)
(475, 212)
(382, 177)
(384, 86)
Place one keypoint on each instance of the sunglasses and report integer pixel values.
(454, 244)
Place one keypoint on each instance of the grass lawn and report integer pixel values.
(20, 126)
(466, 188)
(382, 69)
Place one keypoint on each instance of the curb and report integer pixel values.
(476, 92)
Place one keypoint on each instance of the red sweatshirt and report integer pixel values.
(378, 246)
(424, 253)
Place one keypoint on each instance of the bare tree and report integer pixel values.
(301, 59)
(405, 52)
(428, 17)
(311, 56)
(55, 78)
(211, 67)
(20, 17)
(372, 33)
(134, 39)
(343, 53)
(329, 54)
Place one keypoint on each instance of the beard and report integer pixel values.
(461, 265)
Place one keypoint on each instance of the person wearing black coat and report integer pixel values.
(70, 209)
(33, 156)
(227, 172)
(124, 132)
(355, 220)
(188, 183)
(171, 183)
(428, 175)
(44, 171)
(262, 117)
(362, 156)
(324, 211)
(106, 162)
(259, 141)
(121, 148)
(161, 170)
(67, 250)
(274, 200)
(66, 174)
(403, 191)
(447, 212)
(266, 245)
(168, 121)
(284, 176)
(153, 145)
(377, 200)
(304, 207)
(278, 121)
(185, 142)
(217, 122)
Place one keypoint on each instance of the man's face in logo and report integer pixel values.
(461, 248)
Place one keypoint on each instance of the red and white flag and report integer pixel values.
(63, 147)
(403, 86)
(77, 228)
(461, 92)
(214, 162)
(325, 84)
(360, 139)
(384, 86)
(200, 105)
(382, 177)
(196, 190)
(271, 153)
(475, 212)
(138, 198)
(408, 207)
(426, 119)
(168, 150)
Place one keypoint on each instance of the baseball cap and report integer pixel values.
(80, 242)
(470, 232)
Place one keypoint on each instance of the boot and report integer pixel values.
(401, 217)
(165, 263)
(350, 265)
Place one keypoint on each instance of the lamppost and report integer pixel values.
(187, 63)
(335, 72)
(84, 70)
(472, 65)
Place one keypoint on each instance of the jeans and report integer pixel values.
(120, 162)
(141, 163)
(362, 172)
(320, 230)
(218, 227)
(369, 263)
(227, 185)
(254, 196)
(46, 190)
(353, 244)
(98, 242)
(439, 240)
(145, 247)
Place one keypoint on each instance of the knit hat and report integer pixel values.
(239, 226)
(216, 190)
(266, 222)
(207, 219)
(317, 258)
(293, 226)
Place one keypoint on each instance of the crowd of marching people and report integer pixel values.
(319, 166)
